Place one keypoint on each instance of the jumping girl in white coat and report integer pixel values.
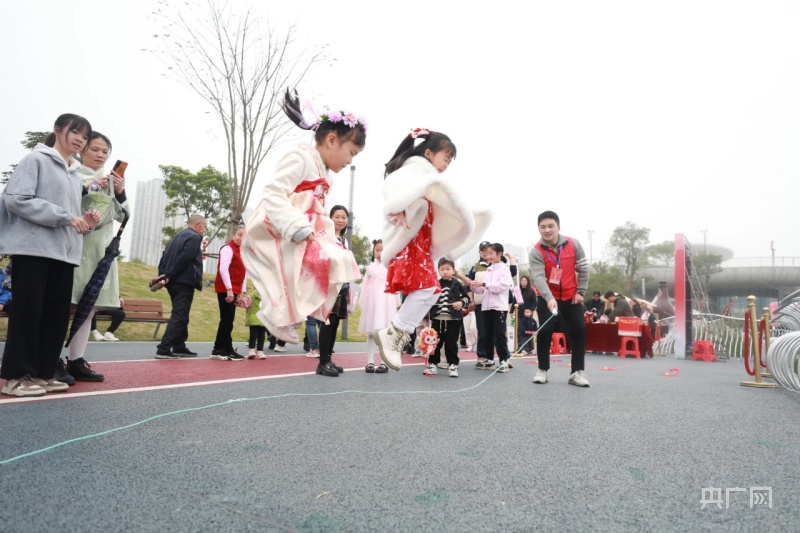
(426, 218)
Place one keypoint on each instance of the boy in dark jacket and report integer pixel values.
(526, 329)
(445, 316)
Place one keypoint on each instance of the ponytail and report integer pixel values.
(345, 125)
(432, 140)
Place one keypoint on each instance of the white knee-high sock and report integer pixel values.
(371, 347)
(414, 308)
(77, 346)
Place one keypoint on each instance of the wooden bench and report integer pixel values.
(144, 311)
(137, 311)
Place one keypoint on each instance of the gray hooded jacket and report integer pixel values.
(37, 206)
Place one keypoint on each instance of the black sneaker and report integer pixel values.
(215, 351)
(233, 355)
(165, 354)
(82, 371)
(62, 375)
(184, 352)
(327, 370)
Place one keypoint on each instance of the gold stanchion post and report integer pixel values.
(767, 339)
(756, 345)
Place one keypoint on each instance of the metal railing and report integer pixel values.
(726, 332)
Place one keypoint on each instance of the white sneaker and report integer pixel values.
(251, 353)
(503, 367)
(453, 371)
(96, 335)
(313, 354)
(578, 378)
(22, 387)
(51, 385)
(431, 370)
(261, 355)
(109, 337)
(540, 377)
(279, 348)
(390, 343)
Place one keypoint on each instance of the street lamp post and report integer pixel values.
(705, 238)
(349, 232)
(590, 246)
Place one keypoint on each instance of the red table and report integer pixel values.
(605, 338)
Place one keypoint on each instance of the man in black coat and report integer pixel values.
(182, 267)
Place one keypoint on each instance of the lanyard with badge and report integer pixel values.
(555, 274)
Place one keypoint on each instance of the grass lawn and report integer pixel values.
(204, 315)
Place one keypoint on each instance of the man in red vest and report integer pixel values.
(561, 275)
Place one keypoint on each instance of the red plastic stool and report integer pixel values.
(629, 346)
(558, 344)
(704, 351)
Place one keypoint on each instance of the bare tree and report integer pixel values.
(242, 70)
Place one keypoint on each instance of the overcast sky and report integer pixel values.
(681, 116)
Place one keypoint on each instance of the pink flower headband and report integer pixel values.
(295, 112)
(350, 119)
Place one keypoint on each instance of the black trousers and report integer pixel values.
(227, 313)
(448, 331)
(38, 320)
(257, 336)
(572, 317)
(327, 338)
(177, 330)
(117, 316)
(494, 329)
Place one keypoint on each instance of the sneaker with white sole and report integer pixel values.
(503, 367)
(22, 387)
(219, 356)
(109, 337)
(540, 377)
(430, 370)
(279, 349)
(452, 371)
(391, 342)
(96, 335)
(578, 378)
(51, 385)
(251, 353)
(480, 362)
(312, 354)
(261, 355)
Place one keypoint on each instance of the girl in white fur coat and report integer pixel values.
(290, 251)
(426, 218)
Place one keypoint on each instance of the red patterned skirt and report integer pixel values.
(413, 269)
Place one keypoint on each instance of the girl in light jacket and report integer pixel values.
(41, 226)
(494, 287)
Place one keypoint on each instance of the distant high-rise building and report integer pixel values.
(148, 220)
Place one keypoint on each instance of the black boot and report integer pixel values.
(62, 375)
(81, 371)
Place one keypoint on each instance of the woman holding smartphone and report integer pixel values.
(105, 193)
(41, 225)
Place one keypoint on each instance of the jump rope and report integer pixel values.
(672, 372)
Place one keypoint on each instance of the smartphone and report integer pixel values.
(119, 167)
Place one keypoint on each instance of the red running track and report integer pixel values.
(151, 374)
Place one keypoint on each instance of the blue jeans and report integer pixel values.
(311, 332)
